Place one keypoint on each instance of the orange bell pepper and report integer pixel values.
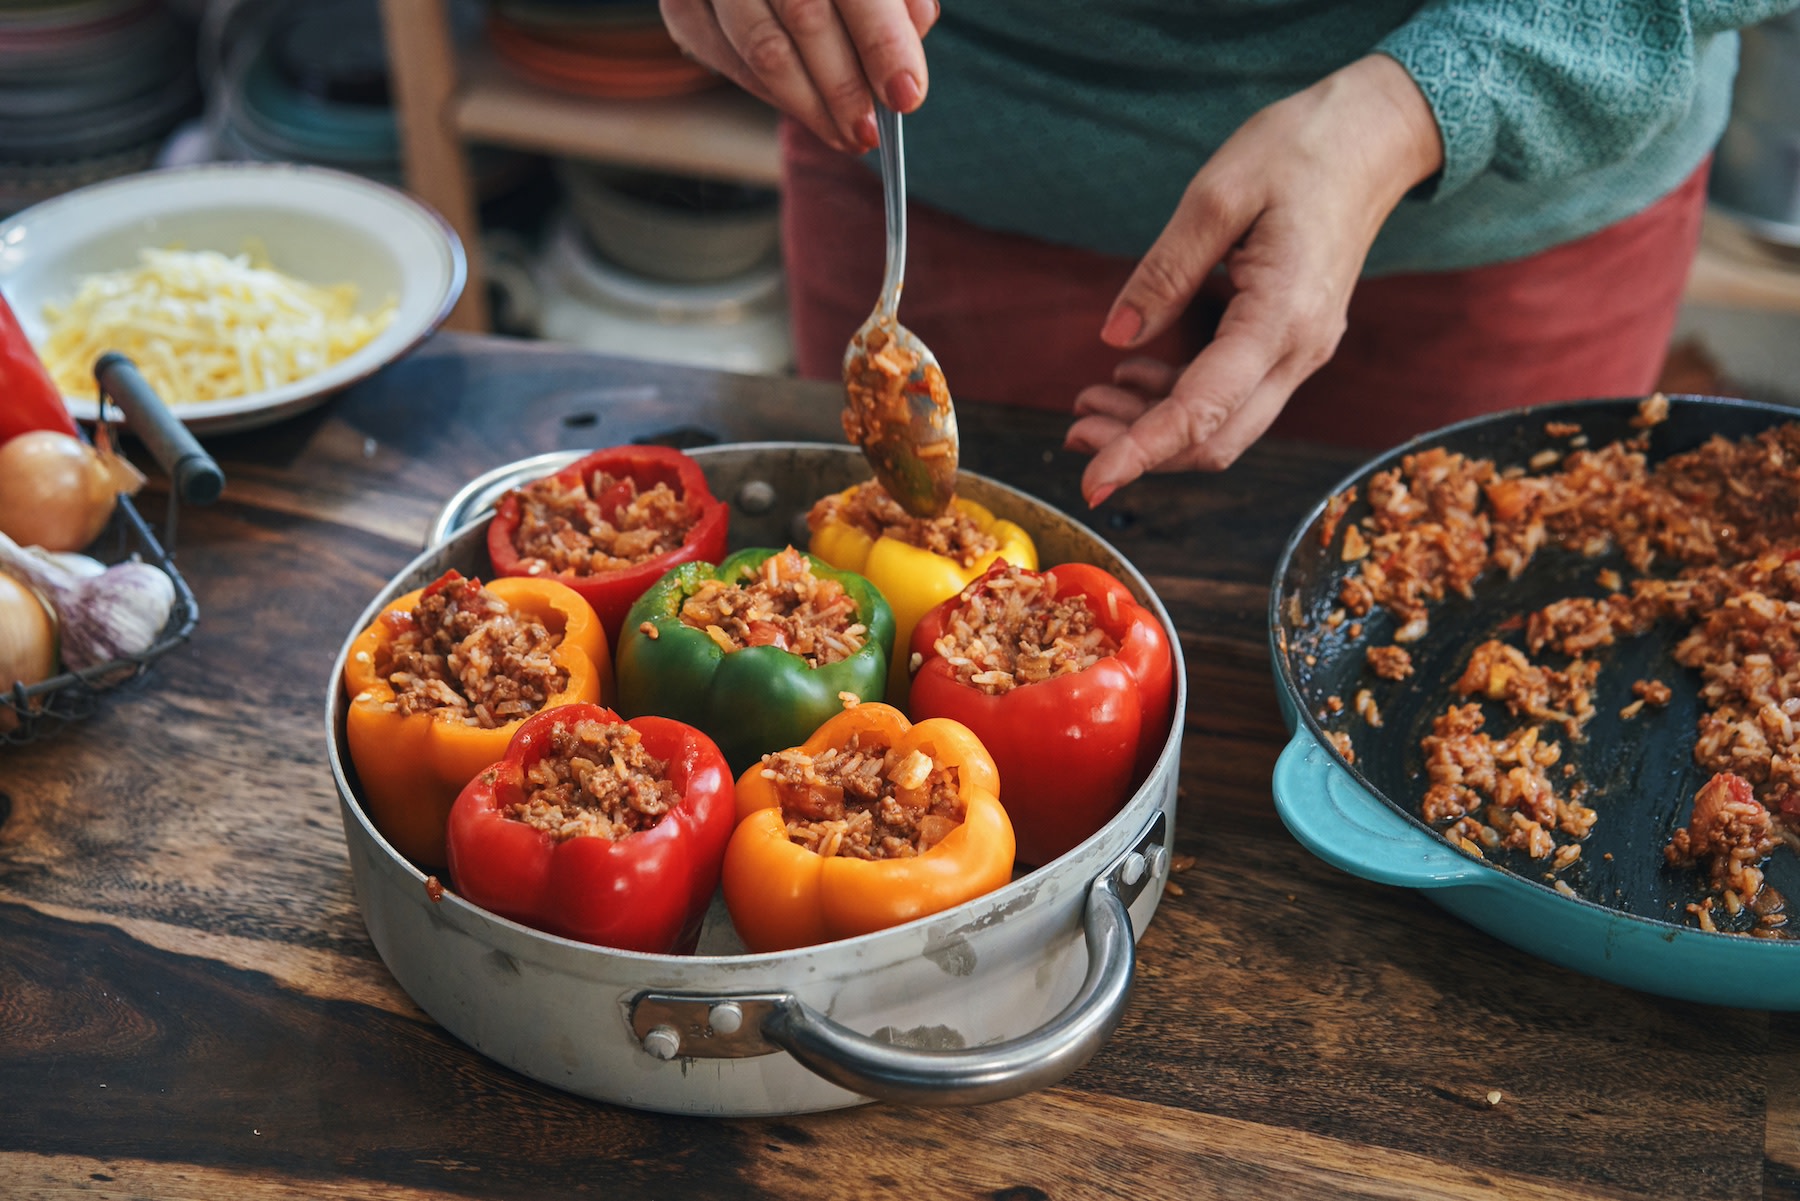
(412, 766)
(783, 895)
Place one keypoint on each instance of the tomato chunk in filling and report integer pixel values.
(602, 524)
(869, 508)
(596, 779)
(865, 800)
(1011, 628)
(463, 651)
(784, 604)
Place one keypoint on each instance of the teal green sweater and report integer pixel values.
(1081, 121)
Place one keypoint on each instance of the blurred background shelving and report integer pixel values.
(612, 194)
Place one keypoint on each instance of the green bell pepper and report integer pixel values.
(755, 699)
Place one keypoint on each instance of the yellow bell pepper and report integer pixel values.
(412, 767)
(913, 579)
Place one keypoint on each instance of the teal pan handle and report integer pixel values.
(1350, 828)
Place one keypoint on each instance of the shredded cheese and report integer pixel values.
(205, 326)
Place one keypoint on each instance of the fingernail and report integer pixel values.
(867, 136)
(1123, 325)
(1098, 496)
(903, 94)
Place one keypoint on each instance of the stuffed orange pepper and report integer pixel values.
(441, 681)
(871, 822)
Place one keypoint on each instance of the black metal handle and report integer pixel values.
(196, 478)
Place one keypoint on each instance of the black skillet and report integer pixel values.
(1627, 921)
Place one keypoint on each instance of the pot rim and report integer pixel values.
(1059, 874)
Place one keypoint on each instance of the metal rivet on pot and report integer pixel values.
(664, 1042)
(1132, 870)
(756, 497)
(725, 1017)
(1157, 859)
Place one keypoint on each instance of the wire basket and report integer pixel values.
(32, 711)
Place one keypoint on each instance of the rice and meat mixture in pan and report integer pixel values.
(1715, 536)
(603, 524)
(596, 779)
(869, 508)
(1012, 628)
(784, 605)
(864, 800)
(465, 652)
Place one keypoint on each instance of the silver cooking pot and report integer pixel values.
(1004, 994)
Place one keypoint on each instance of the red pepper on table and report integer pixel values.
(28, 398)
(1068, 748)
(612, 593)
(648, 891)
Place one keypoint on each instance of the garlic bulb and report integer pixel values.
(112, 615)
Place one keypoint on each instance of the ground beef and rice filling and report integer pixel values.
(1716, 534)
(865, 800)
(596, 779)
(1011, 628)
(464, 652)
(586, 527)
(869, 508)
(785, 604)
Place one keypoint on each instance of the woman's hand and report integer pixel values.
(823, 62)
(1290, 205)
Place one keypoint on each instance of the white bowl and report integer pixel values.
(318, 225)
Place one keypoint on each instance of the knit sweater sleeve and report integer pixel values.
(1538, 90)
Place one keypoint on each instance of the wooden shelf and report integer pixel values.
(722, 133)
(445, 100)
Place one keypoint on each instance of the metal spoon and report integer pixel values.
(896, 403)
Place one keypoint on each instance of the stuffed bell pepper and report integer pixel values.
(1068, 683)
(871, 822)
(757, 651)
(915, 562)
(609, 526)
(597, 829)
(441, 681)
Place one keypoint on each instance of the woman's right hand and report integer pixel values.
(823, 62)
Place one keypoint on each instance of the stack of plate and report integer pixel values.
(307, 82)
(613, 49)
(672, 227)
(89, 89)
(736, 324)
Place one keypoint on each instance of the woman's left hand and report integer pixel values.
(1290, 205)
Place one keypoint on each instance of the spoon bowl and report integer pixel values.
(896, 403)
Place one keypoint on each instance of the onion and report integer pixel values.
(56, 491)
(27, 642)
(114, 615)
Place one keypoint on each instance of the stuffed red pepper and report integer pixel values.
(1066, 680)
(597, 829)
(609, 526)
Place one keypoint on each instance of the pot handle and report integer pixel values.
(1347, 826)
(910, 1076)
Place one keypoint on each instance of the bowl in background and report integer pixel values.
(670, 227)
(314, 224)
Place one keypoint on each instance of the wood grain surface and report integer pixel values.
(190, 1006)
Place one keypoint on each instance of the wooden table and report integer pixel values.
(190, 1007)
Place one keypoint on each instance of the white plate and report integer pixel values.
(322, 226)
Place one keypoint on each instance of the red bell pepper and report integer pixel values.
(612, 593)
(1069, 748)
(28, 398)
(646, 891)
